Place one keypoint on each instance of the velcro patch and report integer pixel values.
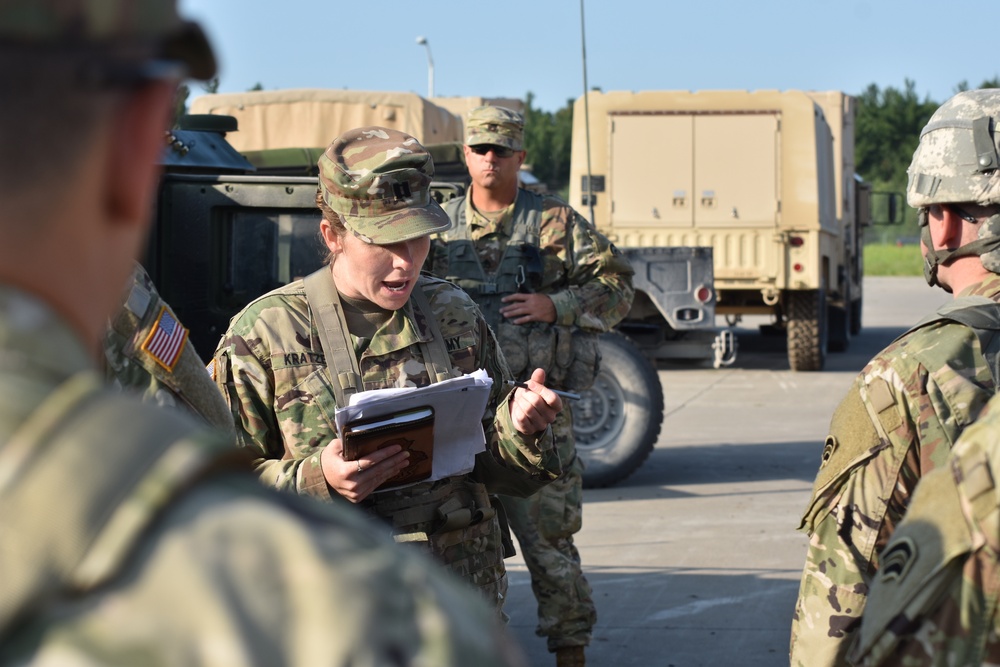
(880, 397)
(166, 341)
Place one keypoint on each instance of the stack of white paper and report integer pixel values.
(458, 403)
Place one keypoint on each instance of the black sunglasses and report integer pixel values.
(924, 212)
(499, 151)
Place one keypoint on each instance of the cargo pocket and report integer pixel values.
(474, 552)
(541, 348)
(514, 343)
(585, 362)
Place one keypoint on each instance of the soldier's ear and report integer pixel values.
(135, 143)
(331, 237)
(946, 227)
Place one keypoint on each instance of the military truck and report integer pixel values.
(228, 230)
(765, 179)
(309, 117)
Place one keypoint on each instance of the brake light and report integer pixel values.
(796, 241)
(703, 294)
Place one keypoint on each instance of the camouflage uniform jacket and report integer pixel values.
(587, 278)
(900, 419)
(934, 599)
(133, 535)
(146, 350)
(273, 373)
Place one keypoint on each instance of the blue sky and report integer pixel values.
(505, 49)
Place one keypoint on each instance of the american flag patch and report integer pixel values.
(166, 341)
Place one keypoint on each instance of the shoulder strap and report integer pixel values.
(980, 314)
(527, 218)
(324, 302)
(123, 460)
(334, 336)
(455, 208)
(436, 357)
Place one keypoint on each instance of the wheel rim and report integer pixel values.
(599, 415)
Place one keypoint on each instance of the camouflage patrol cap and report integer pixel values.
(148, 27)
(379, 180)
(499, 126)
(958, 157)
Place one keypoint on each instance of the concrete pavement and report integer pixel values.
(695, 559)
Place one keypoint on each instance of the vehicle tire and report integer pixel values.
(807, 330)
(856, 316)
(617, 421)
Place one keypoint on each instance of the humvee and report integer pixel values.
(765, 179)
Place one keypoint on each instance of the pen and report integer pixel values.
(565, 394)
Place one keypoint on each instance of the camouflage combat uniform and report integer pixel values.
(934, 599)
(590, 285)
(272, 370)
(133, 535)
(146, 350)
(899, 421)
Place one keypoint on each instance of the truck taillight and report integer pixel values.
(798, 267)
(703, 294)
(796, 241)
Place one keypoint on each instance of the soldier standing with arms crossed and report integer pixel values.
(911, 402)
(548, 283)
(130, 534)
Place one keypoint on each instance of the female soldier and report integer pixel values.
(369, 320)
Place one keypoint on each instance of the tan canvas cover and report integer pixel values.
(461, 106)
(307, 117)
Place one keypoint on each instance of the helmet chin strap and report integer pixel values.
(935, 258)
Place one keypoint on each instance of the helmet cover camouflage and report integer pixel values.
(498, 126)
(379, 180)
(958, 157)
(150, 26)
(958, 161)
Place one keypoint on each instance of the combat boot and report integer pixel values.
(569, 656)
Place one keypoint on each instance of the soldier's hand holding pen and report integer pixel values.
(533, 406)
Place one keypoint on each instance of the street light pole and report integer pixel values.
(430, 66)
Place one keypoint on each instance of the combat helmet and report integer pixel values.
(958, 161)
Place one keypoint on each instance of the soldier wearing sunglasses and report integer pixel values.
(548, 283)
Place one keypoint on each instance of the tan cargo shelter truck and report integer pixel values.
(313, 117)
(764, 178)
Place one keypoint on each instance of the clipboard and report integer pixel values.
(458, 405)
(412, 429)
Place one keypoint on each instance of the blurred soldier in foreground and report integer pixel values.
(911, 402)
(369, 320)
(548, 283)
(146, 350)
(130, 534)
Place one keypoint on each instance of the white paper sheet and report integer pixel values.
(458, 405)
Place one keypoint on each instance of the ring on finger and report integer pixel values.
(360, 469)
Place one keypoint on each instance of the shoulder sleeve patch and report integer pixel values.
(166, 340)
(852, 439)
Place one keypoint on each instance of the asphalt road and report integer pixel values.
(695, 558)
